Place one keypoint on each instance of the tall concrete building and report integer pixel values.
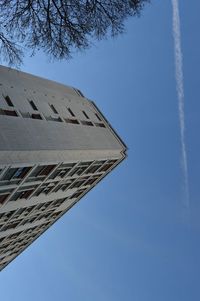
(55, 145)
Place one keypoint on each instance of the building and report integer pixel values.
(55, 145)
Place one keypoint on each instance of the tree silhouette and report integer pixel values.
(59, 27)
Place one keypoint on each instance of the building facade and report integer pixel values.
(55, 145)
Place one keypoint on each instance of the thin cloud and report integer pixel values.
(180, 93)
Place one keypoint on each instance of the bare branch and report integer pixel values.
(59, 27)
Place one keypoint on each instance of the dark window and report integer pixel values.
(100, 125)
(18, 213)
(87, 163)
(36, 116)
(42, 170)
(8, 112)
(7, 190)
(57, 188)
(46, 170)
(98, 117)
(64, 186)
(78, 183)
(74, 171)
(92, 169)
(33, 105)
(58, 202)
(85, 114)
(90, 181)
(53, 109)
(21, 172)
(105, 167)
(8, 101)
(3, 198)
(9, 214)
(9, 173)
(78, 170)
(71, 113)
(55, 215)
(73, 121)
(16, 196)
(77, 194)
(45, 188)
(11, 226)
(25, 194)
(62, 170)
(50, 118)
(55, 174)
(84, 122)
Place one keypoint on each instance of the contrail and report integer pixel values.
(180, 92)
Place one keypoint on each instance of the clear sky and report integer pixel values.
(130, 238)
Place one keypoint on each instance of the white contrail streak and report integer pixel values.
(180, 92)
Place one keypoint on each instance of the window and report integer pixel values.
(11, 226)
(98, 117)
(36, 116)
(3, 198)
(58, 202)
(8, 112)
(91, 181)
(78, 183)
(16, 196)
(18, 172)
(71, 113)
(73, 121)
(9, 173)
(92, 169)
(74, 171)
(100, 125)
(62, 170)
(58, 188)
(84, 122)
(18, 213)
(8, 101)
(46, 170)
(27, 210)
(64, 186)
(36, 171)
(23, 192)
(78, 170)
(55, 174)
(32, 104)
(26, 193)
(50, 118)
(86, 164)
(45, 188)
(85, 114)
(55, 215)
(21, 172)
(77, 194)
(9, 214)
(40, 171)
(53, 109)
(106, 167)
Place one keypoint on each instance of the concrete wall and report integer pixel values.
(25, 134)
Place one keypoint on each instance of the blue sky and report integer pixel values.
(131, 238)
